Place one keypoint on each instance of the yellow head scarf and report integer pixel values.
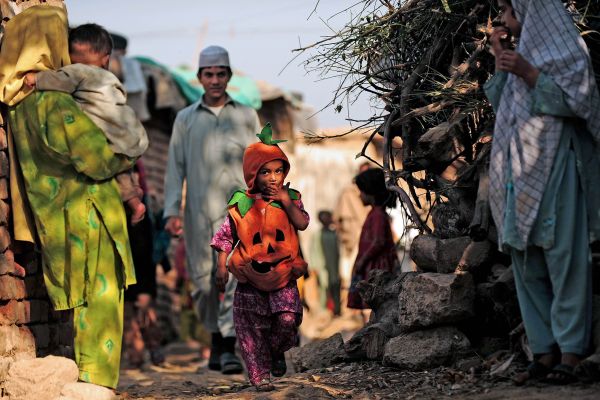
(34, 40)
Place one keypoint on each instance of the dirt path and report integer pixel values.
(185, 377)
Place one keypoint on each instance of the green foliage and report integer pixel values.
(266, 135)
(242, 201)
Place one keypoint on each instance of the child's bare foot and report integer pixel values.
(138, 210)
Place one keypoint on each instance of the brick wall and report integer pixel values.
(28, 325)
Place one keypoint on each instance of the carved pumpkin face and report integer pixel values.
(268, 248)
(267, 236)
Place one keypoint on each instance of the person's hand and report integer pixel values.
(513, 62)
(221, 277)
(498, 39)
(278, 193)
(30, 79)
(174, 226)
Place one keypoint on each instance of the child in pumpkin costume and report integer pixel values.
(261, 231)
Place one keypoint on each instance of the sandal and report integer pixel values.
(562, 374)
(534, 371)
(230, 364)
(278, 365)
(264, 385)
(588, 371)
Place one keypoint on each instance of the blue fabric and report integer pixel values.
(553, 269)
(554, 284)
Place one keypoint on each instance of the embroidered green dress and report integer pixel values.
(68, 171)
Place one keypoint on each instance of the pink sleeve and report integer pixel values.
(301, 207)
(223, 239)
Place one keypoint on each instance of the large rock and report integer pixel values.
(380, 291)
(86, 391)
(475, 255)
(319, 354)
(39, 378)
(431, 299)
(496, 305)
(380, 287)
(425, 349)
(433, 254)
(368, 343)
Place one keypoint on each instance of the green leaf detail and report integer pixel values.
(77, 241)
(81, 320)
(69, 119)
(92, 219)
(242, 201)
(103, 285)
(236, 196)
(266, 136)
(109, 345)
(54, 186)
(294, 194)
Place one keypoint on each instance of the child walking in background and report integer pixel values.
(376, 248)
(103, 98)
(261, 230)
(325, 262)
(544, 175)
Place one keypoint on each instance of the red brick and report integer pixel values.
(3, 138)
(12, 288)
(8, 312)
(3, 164)
(4, 212)
(6, 263)
(3, 188)
(4, 237)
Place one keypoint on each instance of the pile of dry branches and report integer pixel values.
(425, 62)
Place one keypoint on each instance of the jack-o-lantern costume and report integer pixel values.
(266, 261)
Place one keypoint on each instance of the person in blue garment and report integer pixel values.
(544, 174)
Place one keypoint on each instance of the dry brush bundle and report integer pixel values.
(425, 62)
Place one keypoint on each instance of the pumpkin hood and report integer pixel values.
(258, 154)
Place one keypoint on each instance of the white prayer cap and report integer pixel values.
(213, 56)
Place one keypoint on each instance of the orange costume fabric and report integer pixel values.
(268, 251)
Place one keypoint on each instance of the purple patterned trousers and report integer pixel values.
(266, 325)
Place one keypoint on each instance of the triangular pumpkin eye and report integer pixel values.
(279, 236)
(270, 250)
(256, 239)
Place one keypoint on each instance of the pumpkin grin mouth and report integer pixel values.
(266, 266)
